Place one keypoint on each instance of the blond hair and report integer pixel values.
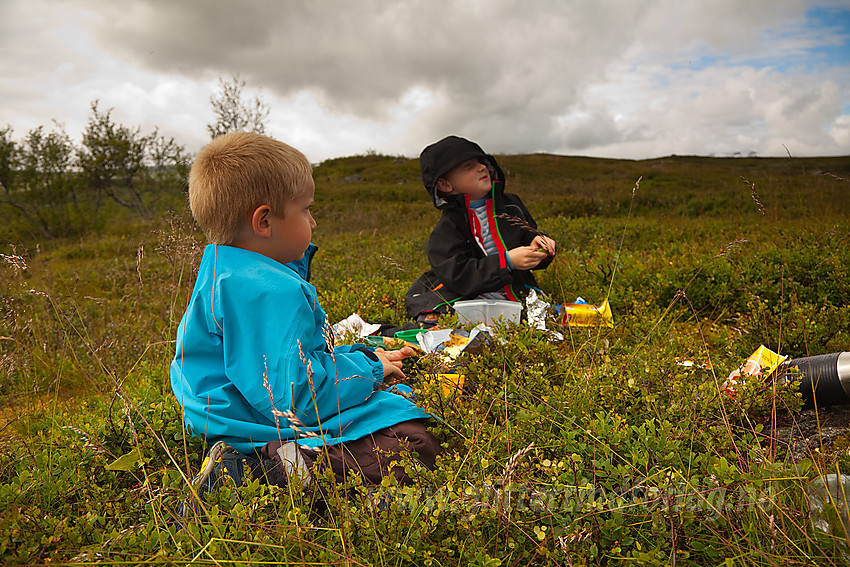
(236, 173)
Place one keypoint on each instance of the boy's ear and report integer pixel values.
(260, 221)
(443, 186)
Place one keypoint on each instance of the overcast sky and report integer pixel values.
(612, 78)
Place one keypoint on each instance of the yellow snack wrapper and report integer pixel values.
(763, 361)
(451, 383)
(453, 347)
(586, 315)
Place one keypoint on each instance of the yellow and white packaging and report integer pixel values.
(763, 362)
(586, 315)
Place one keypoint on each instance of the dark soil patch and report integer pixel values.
(811, 432)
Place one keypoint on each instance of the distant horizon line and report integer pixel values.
(733, 155)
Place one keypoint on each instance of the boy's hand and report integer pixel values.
(542, 242)
(391, 359)
(527, 257)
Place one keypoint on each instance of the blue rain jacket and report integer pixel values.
(251, 331)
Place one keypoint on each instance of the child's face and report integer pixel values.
(469, 178)
(291, 234)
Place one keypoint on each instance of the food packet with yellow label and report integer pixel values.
(450, 384)
(586, 315)
(763, 362)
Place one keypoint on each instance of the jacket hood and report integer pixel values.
(439, 158)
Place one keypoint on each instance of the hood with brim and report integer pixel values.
(440, 157)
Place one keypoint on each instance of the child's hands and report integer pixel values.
(545, 243)
(527, 257)
(391, 359)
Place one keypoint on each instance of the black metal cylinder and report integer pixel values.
(824, 379)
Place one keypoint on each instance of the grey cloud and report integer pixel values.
(595, 77)
(593, 129)
(671, 27)
(365, 55)
(502, 70)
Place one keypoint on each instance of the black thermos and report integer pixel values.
(824, 378)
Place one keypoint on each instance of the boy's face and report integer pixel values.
(469, 178)
(291, 233)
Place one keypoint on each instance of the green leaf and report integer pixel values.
(126, 462)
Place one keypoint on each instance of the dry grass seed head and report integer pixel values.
(514, 461)
(176, 243)
(755, 195)
(516, 221)
(17, 262)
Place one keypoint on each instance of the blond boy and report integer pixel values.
(253, 367)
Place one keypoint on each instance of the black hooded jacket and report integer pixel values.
(459, 267)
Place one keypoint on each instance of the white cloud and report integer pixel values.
(840, 131)
(622, 79)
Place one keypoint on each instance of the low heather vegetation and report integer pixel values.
(601, 448)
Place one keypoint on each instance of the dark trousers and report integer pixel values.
(373, 456)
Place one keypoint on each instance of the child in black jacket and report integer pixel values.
(486, 241)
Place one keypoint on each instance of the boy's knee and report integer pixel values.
(414, 437)
(281, 460)
(374, 456)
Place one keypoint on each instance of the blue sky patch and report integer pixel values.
(832, 25)
(819, 42)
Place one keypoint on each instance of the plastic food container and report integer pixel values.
(488, 311)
